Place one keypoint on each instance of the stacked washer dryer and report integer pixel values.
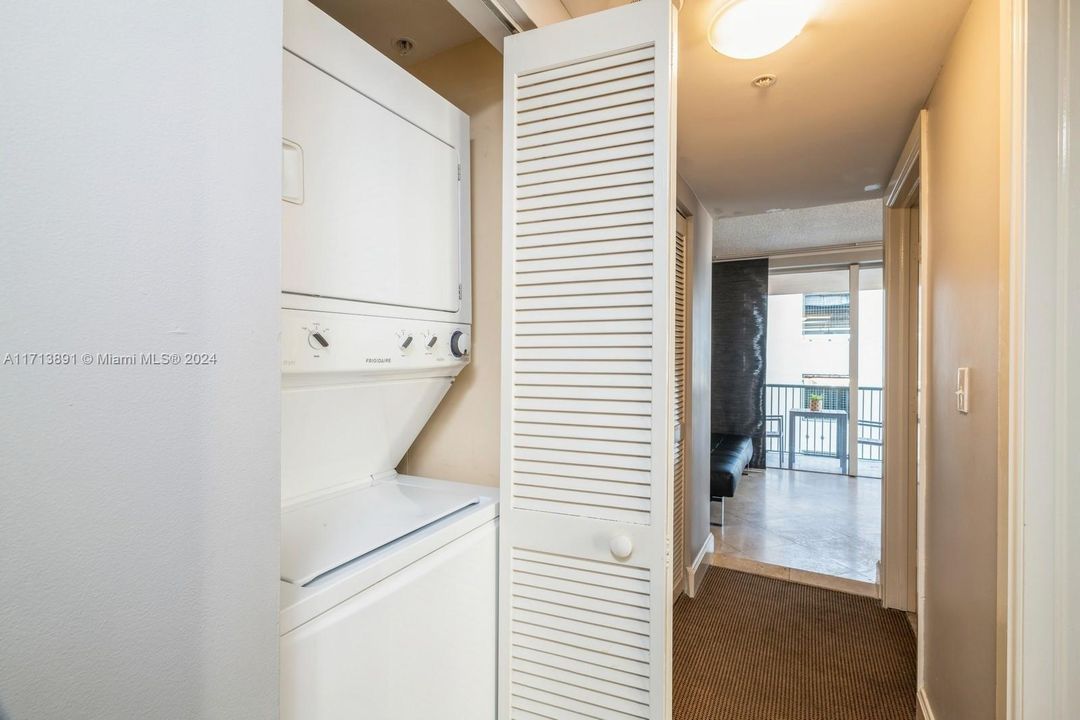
(388, 582)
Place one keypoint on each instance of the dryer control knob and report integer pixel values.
(459, 344)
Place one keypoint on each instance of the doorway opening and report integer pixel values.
(815, 507)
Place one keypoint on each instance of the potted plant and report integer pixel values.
(815, 403)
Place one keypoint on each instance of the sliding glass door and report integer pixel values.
(823, 381)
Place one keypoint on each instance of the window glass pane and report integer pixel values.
(826, 314)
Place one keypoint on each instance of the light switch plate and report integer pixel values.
(292, 172)
(963, 395)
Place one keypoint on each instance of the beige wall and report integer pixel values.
(461, 442)
(696, 519)
(964, 275)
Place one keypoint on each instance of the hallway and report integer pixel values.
(755, 648)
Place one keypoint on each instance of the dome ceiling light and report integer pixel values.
(747, 29)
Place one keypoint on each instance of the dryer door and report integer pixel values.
(371, 209)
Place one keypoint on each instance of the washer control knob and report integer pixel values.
(459, 344)
(406, 342)
(432, 340)
(318, 341)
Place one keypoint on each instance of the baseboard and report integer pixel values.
(923, 711)
(696, 572)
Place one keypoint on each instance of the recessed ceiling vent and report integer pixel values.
(404, 46)
(763, 81)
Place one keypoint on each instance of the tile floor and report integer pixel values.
(816, 523)
(868, 468)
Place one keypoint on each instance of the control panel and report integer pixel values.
(336, 342)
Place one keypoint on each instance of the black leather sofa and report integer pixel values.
(729, 458)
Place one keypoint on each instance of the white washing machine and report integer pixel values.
(406, 631)
(388, 582)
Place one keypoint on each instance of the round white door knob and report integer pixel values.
(621, 547)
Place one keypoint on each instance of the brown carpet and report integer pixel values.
(754, 648)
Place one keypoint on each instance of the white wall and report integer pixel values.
(139, 505)
(791, 354)
(871, 338)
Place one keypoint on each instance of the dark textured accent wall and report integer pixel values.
(740, 313)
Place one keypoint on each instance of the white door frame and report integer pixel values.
(1042, 637)
(853, 371)
(902, 505)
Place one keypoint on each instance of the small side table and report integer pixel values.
(840, 417)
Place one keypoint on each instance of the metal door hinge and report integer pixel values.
(459, 172)
(459, 291)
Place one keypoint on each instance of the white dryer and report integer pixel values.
(388, 582)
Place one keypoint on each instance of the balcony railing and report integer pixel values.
(818, 437)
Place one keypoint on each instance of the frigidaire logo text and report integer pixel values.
(378, 361)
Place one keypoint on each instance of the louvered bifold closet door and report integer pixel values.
(680, 401)
(586, 506)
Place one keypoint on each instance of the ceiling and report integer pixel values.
(577, 8)
(847, 94)
(432, 25)
(840, 224)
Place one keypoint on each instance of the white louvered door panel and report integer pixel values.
(680, 373)
(588, 358)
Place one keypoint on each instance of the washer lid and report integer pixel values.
(322, 535)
